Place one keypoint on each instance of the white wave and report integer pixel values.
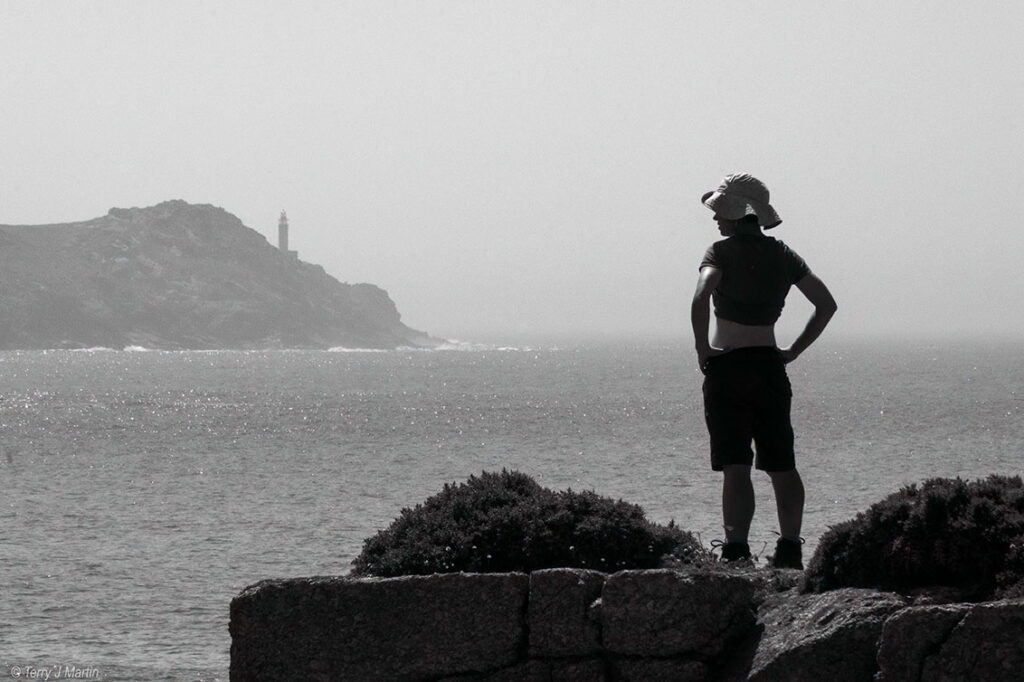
(471, 346)
(448, 345)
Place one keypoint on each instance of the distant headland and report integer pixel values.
(180, 276)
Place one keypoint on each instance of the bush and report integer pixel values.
(947, 532)
(507, 522)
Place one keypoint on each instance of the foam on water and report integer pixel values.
(454, 345)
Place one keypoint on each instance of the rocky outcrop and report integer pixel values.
(564, 614)
(414, 628)
(570, 625)
(179, 275)
(837, 631)
(954, 642)
(667, 614)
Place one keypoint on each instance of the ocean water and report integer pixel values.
(141, 491)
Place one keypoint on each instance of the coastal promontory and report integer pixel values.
(180, 276)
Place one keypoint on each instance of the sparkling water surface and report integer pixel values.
(141, 491)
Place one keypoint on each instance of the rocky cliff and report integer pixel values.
(572, 625)
(179, 276)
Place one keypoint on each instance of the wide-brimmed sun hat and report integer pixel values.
(741, 194)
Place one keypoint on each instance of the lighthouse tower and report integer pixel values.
(282, 232)
(282, 236)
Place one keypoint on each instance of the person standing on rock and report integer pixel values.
(747, 393)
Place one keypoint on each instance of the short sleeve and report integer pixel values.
(710, 259)
(796, 267)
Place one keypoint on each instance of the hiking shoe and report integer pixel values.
(788, 554)
(733, 551)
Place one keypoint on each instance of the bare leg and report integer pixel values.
(737, 502)
(789, 500)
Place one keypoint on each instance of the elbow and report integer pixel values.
(828, 308)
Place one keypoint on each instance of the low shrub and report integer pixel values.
(945, 532)
(508, 522)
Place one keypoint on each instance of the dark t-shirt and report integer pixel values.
(757, 272)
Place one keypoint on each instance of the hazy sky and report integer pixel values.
(518, 168)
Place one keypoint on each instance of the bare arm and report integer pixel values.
(700, 313)
(824, 308)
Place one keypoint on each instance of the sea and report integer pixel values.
(140, 491)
